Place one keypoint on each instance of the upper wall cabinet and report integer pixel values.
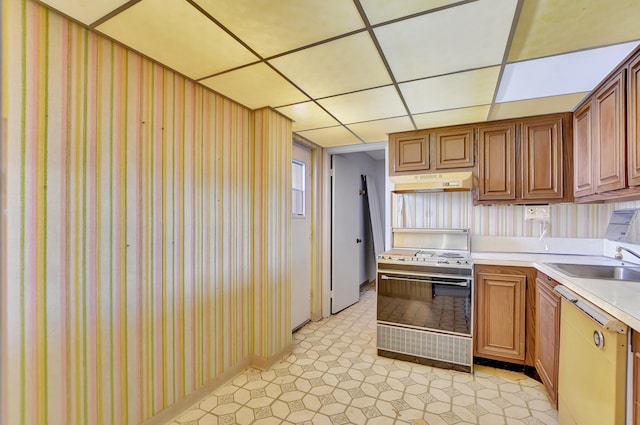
(583, 156)
(542, 156)
(496, 162)
(525, 161)
(432, 150)
(409, 153)
(607, 138)
(633, 122)
(454, 148)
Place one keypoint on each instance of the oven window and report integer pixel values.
(439, 304)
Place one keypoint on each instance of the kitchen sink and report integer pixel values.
(591, 271)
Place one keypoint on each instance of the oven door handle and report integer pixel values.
(439, 282)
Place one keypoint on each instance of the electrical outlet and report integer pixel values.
(540, 213)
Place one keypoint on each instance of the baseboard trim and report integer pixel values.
(268, 362)
(164, 416)
(180, 406)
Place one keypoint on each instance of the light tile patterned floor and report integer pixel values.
(334, 376)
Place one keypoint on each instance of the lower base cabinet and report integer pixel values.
(500, 313)
(547, 334)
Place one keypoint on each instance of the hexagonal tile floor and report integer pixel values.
(334, 376)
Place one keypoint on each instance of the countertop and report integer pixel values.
(621, 299)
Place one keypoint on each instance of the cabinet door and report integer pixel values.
(633, 123)
(582, 151)
(409, 152)
(500, 318)
(454, 148)
(541, 168)
(609, 142)
(496, 163)
(547, 335)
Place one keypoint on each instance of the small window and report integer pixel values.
(297, 188)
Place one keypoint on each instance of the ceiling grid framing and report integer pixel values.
(253, 52)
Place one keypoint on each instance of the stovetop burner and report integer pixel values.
(430, 247)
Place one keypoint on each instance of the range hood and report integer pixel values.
(434, 182)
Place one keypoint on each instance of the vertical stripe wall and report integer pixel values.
(147, 229)
(456, 209)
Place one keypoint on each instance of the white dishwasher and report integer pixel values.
(592, 370)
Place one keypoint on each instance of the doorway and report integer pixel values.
(351, 251)
(301, 236)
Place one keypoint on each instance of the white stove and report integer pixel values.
(425, 293)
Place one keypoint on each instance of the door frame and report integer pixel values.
(315, 214)
(325, 212)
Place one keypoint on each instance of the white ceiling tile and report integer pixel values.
(470, 36)
(550, 27)
(343, 65)
(378, 11)
(330, 136)
(377, 131)
(452, 117)
(85, 11)
(471, 88)
(255, 86)
(176, 34)
(538, 106)
(271, 27)
(562, 74)
(307, 115)
(366, 105)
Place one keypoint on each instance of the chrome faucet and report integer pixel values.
(619, 252)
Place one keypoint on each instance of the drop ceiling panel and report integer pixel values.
(465, 37)
(561, 74)
(539, 106)
(471, 88)
(452, 117)
(271, 27)
(366, 105)
(176, 34)
(354, 64)
(307, 115)
(549, 27)
(331, 136)
(255, 86)
(377, 131)
(378, 11)
(85, 11)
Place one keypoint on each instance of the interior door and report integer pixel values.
(345, 237)
(300, 237)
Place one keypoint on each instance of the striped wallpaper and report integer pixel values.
(147, 229)
(456, 209)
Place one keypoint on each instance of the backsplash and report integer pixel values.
(456, 209)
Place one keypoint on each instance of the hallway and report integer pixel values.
(334, 376)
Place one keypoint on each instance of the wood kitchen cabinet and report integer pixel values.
(409, 153)
(633, 122)
(542, 154)
(431, 150)
(496, 162)
(609, 137)
(547, 334)
(454, 147)
(583, 154)
(525, 161)
(500, 319)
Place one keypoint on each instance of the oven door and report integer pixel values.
(432, 302)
